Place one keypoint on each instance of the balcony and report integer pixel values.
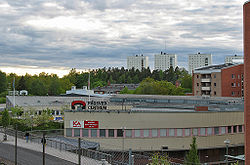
(206, 88)
(206, 80)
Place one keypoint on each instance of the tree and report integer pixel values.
(158, 159)
(21, 84)
(5, 122)
(3, 82)
(192, 156)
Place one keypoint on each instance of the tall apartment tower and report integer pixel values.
(234, 59)
(137, 62)
(246, 29)
(164, 61)
(198, 60)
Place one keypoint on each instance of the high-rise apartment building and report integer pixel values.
(234, 59)
(224, 80)
(164, 61)
(198, 60)
(137, 62)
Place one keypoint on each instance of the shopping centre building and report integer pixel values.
(161, 123)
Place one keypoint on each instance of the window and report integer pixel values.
(187, 132)
(197, 76)
(93, 133)
(240, 128)
(111, 133)
(238, 76)
(233, 76)
(202, 131)
(238, 84)
(155, 133)
(235, 129)
(222, 130)
(68, 132)
(171, 132)
(215, 84)
(102, 133)
(209, 131)
(216, 130)
(137, 133)
(229, 129)
(233, 93)
(128, 133)
(215, 93)
(179, 132)
(195, 131)
(197, 84)
(163, 132)
(214, 75)
(76, 132)
(119, 133)
(85, 132)
(146, 133)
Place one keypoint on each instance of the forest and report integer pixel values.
(46, 84)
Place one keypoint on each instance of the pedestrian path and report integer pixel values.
(65, 155)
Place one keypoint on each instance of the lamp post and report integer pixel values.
(227, 142)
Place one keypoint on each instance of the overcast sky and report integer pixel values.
(55, 36)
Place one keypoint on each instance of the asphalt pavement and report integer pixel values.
(29, 157)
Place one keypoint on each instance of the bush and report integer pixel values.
(2, 100)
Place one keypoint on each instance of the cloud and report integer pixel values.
(102, 33)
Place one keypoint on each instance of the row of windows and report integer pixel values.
(151, 133)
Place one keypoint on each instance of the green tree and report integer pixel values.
(192, 156)
(21, 84)
(3, 82)
(5, 122)
(38, 88)
(160, 160)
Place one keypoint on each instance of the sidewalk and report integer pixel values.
(69, 156)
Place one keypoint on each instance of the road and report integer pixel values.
(29, 157)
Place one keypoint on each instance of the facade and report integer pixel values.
(137, 62)
(198, 60)
(224, 80)
(234, 59)
(162, 123)
(246, 27)
(164, 61)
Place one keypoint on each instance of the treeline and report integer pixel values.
(51, 84)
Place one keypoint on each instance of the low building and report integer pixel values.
(224, 80)
(114, 88)
(163, 123)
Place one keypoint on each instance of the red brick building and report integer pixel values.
(225, 80)
(246, 23)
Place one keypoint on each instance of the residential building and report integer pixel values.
(198, 60)
(234, 59)
(155, 123)
(164, 61)
(137, 62)
(224, 80)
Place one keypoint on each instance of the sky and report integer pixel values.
(54, 36)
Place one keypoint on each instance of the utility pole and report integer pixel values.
(43, 140)
(79, 151)
(227, 142)
(16, 146)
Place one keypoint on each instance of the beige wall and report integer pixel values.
(161, 120)
(197, 89)
(157, 120)
(173, 143)
(216, 80)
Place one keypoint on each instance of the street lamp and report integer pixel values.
(227, 142)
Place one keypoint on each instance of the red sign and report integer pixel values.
(76, 124)
(91, 124)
